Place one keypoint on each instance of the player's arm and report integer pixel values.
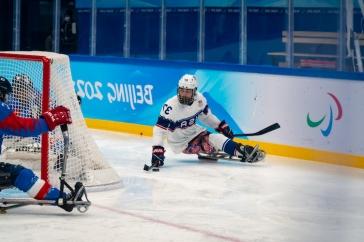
(208, 118)
(158, 147)
(162, 127)
(12, 124)
(159, 134)
(164, 124)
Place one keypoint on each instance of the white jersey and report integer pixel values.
(177, 122)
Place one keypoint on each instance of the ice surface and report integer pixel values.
(190, 200)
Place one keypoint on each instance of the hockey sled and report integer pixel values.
(79, 197)
(10, 203)
(220, 155)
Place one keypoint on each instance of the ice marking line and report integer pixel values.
(178, 226)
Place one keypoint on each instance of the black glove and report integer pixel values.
(225, 129)
(158, 156)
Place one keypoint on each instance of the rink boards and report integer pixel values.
(320, 113)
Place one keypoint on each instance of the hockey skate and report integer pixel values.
(246, 154)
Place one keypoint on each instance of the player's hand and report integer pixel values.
(158, 156)
(225, 130)
(57, 116)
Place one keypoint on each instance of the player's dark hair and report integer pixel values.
(5, 88)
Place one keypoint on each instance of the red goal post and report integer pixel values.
(45, 100)
(42, 80)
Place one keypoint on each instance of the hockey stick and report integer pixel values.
(82, 206)
(30, 201)
(66, 140)
(148, 168)
(268, 129)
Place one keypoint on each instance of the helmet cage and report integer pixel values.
(186, 100)
(187, 82)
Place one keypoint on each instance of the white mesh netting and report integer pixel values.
(84, 162)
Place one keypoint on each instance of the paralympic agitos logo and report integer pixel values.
(326, 132)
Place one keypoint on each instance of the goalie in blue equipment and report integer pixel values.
(18, 176)
(177, 122)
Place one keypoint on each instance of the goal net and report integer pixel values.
(41, 81)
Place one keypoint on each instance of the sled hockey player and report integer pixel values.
(18, 176)
(177, 122)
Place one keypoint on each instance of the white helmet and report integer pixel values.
(187, 81)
